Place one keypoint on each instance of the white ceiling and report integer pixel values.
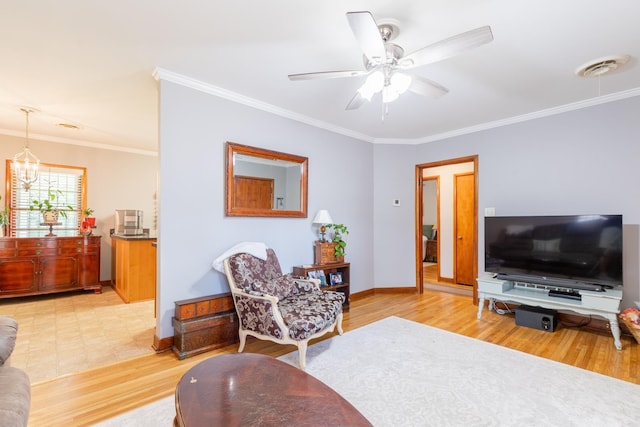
(91, 63)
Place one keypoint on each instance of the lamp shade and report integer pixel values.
(322, 217)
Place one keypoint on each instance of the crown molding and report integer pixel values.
(162, 74)
(80, 143)
(517, 119)
(173, 77)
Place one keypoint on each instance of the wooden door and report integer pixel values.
(253, 193)
(464, 228)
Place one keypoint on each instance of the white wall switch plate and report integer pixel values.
(489, 211)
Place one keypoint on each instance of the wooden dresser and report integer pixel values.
(44, 265)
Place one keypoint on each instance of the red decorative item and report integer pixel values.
(85, 228)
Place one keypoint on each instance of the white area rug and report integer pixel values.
(157, 414)
(401, 373)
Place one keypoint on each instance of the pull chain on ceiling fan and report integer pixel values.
(385, 63)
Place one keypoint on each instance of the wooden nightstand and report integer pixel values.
(432, 251)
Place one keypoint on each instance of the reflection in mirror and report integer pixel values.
(263, 182)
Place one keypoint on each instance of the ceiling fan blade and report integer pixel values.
(327, 75)
(356, 102)
(448, 47)
(367, 34)
(426, 87)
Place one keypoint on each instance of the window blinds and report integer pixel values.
(66, 183)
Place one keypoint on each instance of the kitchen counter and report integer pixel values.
(133, 237)
(134, 267)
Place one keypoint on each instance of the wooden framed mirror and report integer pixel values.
(263, 182)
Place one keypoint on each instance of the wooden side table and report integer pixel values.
(344, 268)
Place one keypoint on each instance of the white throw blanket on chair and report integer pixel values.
(257, 249)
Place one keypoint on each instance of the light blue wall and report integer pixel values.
(577, 162)
(580, 162)
(193, 229)
(394, 226)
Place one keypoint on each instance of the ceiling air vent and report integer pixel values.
(602, 66)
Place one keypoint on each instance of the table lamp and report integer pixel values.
(322, 218)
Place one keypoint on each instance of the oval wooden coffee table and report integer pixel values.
(245, 389)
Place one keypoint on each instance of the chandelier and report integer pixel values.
(25, 163)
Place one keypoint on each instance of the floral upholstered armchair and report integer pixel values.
(277, 307)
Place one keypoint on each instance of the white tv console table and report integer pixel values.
(605, 304)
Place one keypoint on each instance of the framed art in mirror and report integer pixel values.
(262, 182)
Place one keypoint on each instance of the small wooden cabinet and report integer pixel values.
(432, 251)
(324, 253)
(341, 267)
(134, 261)
(203, 324)
(43, 265)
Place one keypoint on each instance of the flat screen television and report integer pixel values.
(571, 251)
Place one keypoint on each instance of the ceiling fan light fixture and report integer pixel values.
(389, 94)
(401, 82)
(373, 85)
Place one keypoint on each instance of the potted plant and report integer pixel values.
(87, 212)
(49, 207)
(339, 231)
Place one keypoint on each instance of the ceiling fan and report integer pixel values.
(385, 62)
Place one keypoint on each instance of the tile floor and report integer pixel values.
(70, 332)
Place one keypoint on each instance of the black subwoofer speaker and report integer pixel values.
(541, 318)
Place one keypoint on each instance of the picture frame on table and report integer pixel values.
(335, 278)
(318, 274)
(322, 277)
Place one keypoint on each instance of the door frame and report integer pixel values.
(419, 170)
(421, 214)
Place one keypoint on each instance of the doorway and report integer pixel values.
(456, 222)
(431, 199)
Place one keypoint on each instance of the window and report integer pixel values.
(68, 182)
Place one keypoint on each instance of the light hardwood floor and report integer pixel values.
(97, 394)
